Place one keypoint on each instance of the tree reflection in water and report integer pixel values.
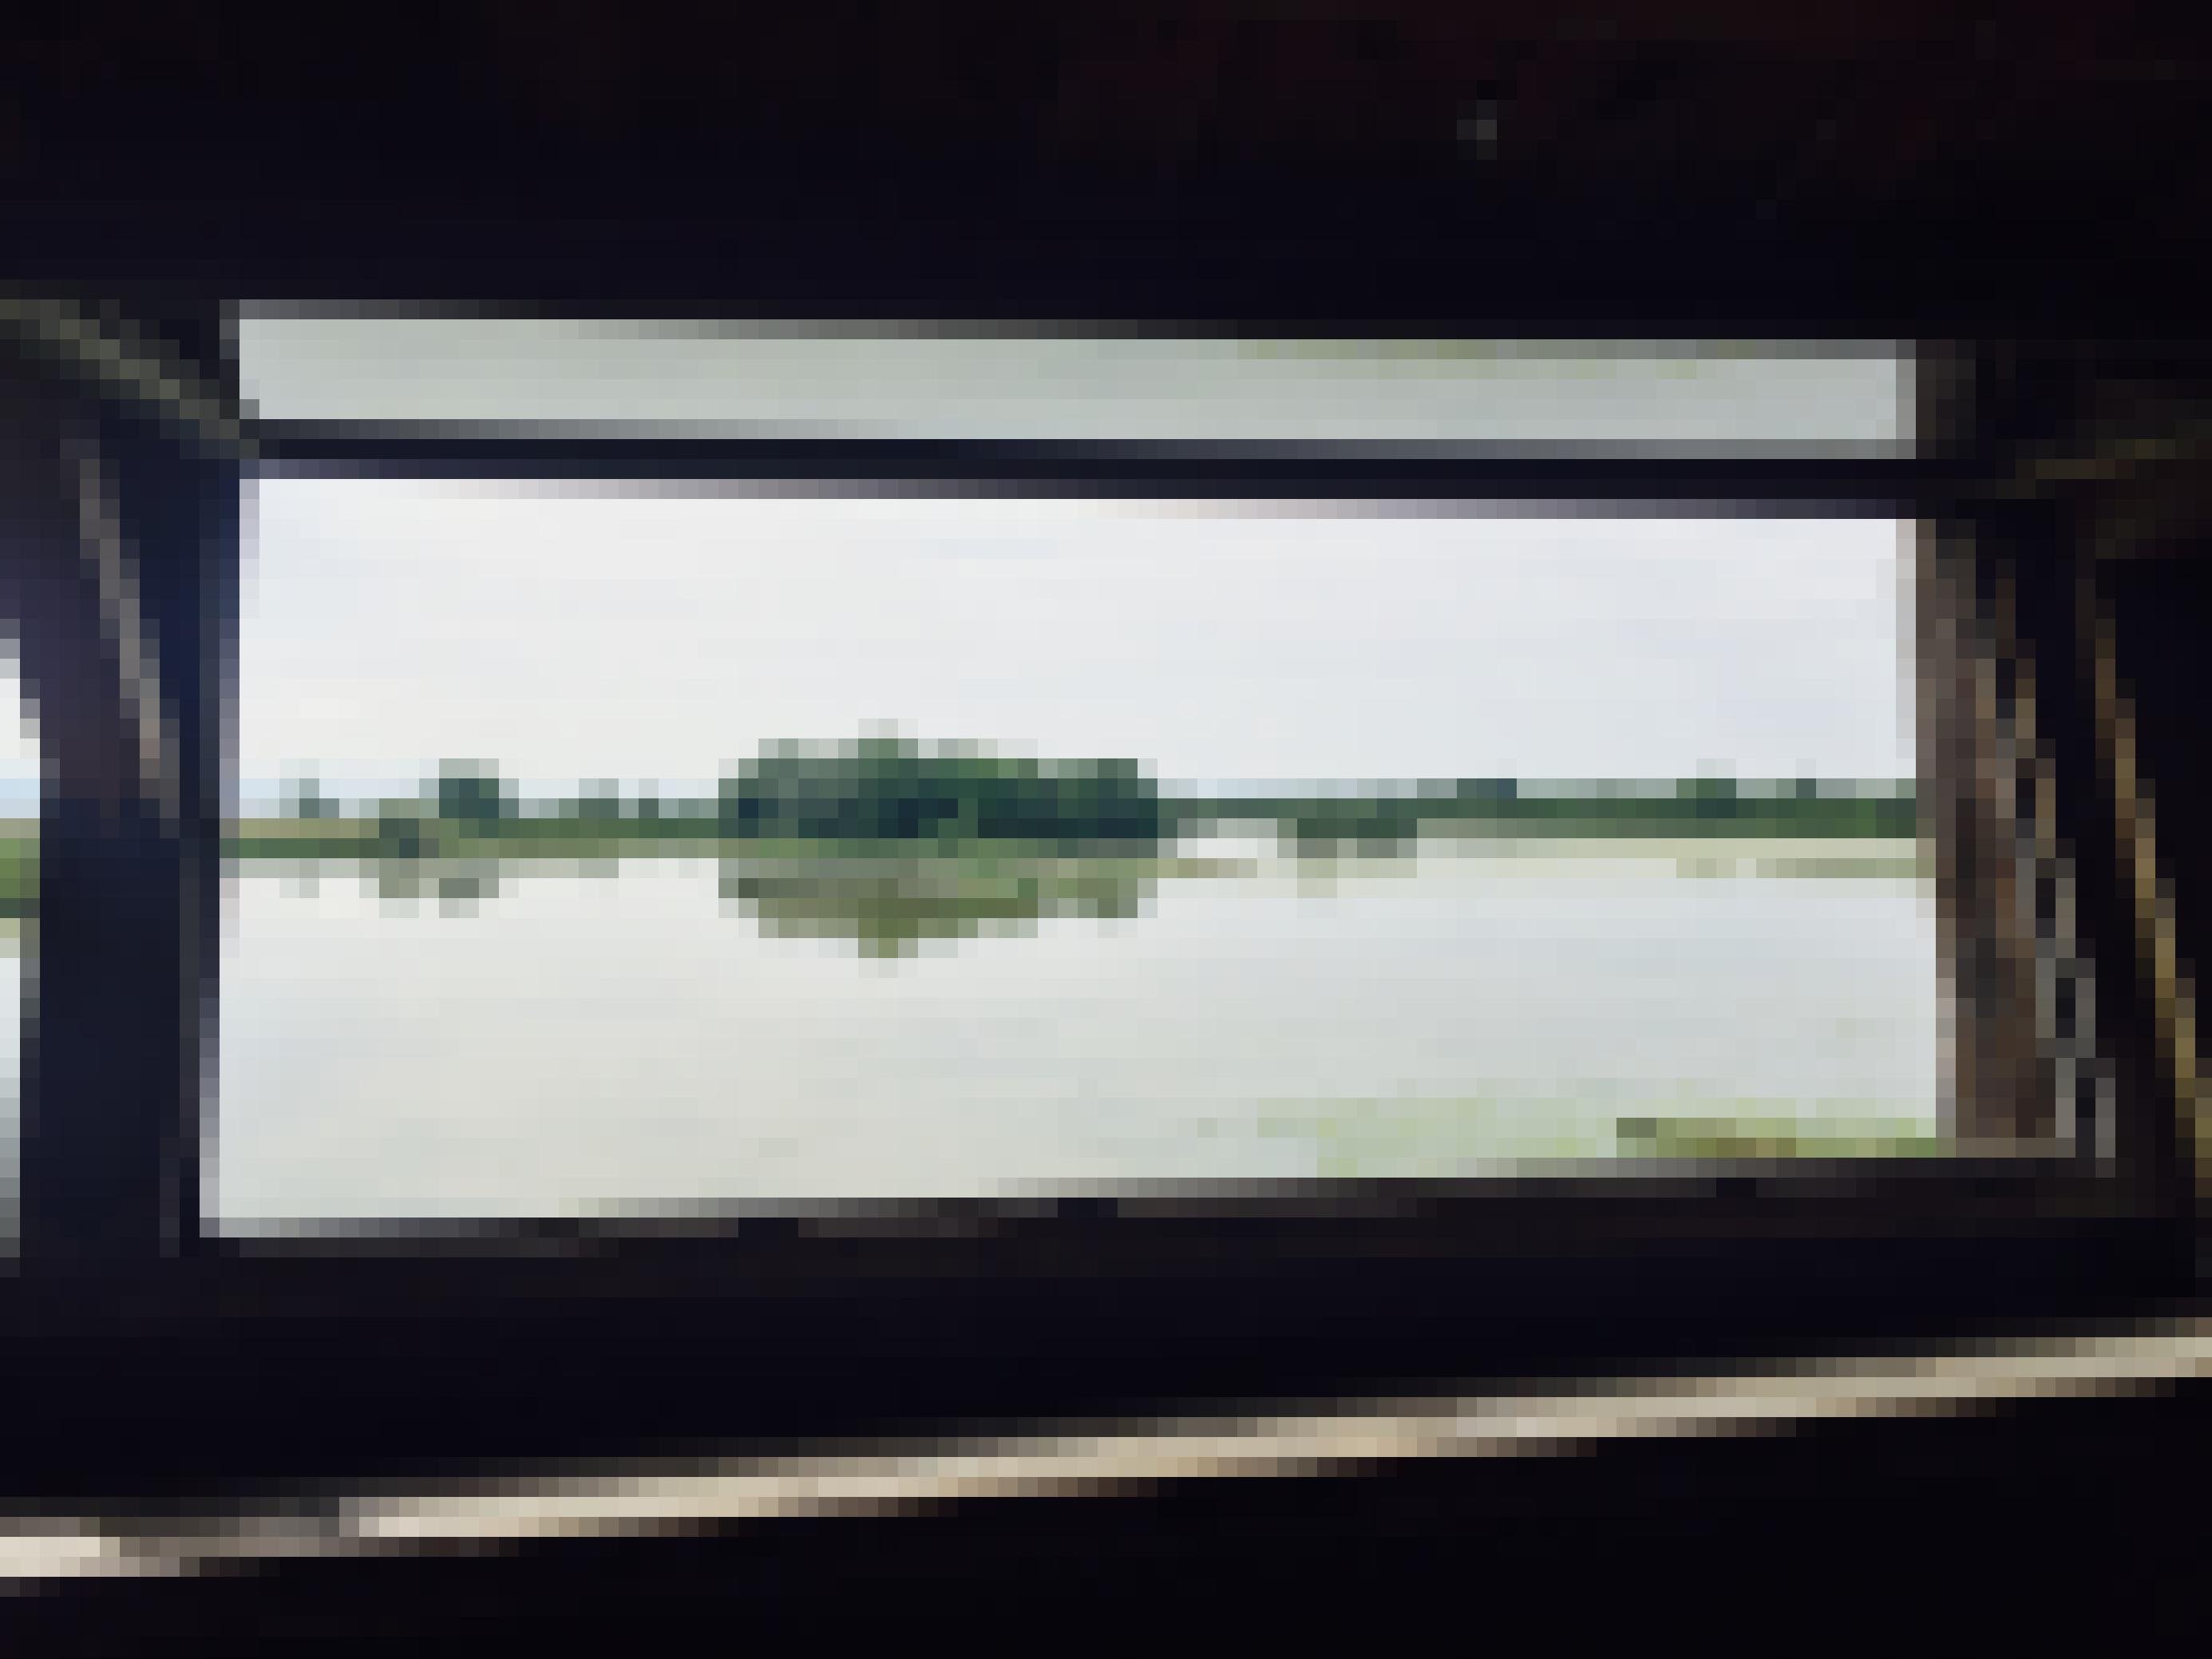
(457, 890)
(892, 906)
(887, 906)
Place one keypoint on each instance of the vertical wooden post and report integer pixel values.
(2037, 419)
(2006, 746)
(1969, 694)
(121, 547)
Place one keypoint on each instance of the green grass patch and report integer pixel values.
(1434, 1136)
(18, 878)
(1773, 1137)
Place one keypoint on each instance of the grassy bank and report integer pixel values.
(19, 878)
(1407, 1136)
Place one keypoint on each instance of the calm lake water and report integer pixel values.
(636, 1041)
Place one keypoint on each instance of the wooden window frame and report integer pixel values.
(1287, 1293)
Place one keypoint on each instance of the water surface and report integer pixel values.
(546, 1042)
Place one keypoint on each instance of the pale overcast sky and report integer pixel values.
(574, 635)
(566, 634)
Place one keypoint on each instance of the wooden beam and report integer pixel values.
(121, 548)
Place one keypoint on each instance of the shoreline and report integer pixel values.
(832, 863)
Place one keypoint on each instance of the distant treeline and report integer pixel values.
(889, 789)
(1701, 806)
(894, 790)
(880, 790)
